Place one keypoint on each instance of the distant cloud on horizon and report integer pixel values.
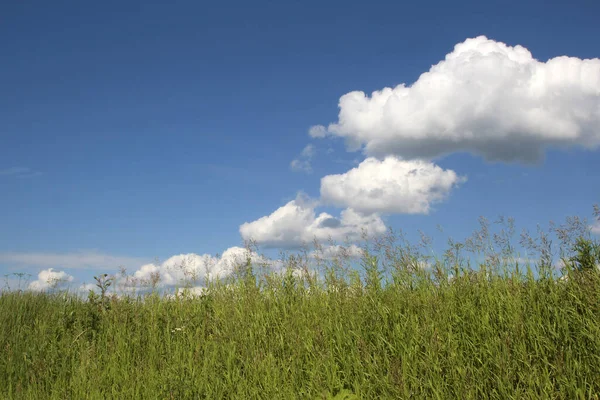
(50, 278)
(182, 267)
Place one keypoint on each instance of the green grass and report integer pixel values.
(396, 331)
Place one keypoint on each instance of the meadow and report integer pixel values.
(475, 322)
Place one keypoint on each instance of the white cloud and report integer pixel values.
(317, 131)
(192, 267)
(486, 98)
(296, 224)
(303, 163)
(390, 186)
(49, 278)
(82, 260)
(308, 151)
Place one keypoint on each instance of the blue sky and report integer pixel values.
(131, 130)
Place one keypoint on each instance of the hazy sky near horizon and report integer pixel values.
(131, 130)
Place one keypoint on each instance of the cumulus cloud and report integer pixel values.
(303, 163)
(193, 267)
(297, 223)
(486, 98)
(390, 186)
(49, 278)
(82, 259)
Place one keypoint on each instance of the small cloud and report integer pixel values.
(296, 224)
(19, 172)
(317, 131)
(390, 186)
(301, 165)
(308, 151)
(49, 278)
(303, 162)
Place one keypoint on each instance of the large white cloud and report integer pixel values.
(486, 98)
(389, 186)
(296, 224)
(50, 278)
(192, 267)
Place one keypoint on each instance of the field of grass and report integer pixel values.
(406, 327)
